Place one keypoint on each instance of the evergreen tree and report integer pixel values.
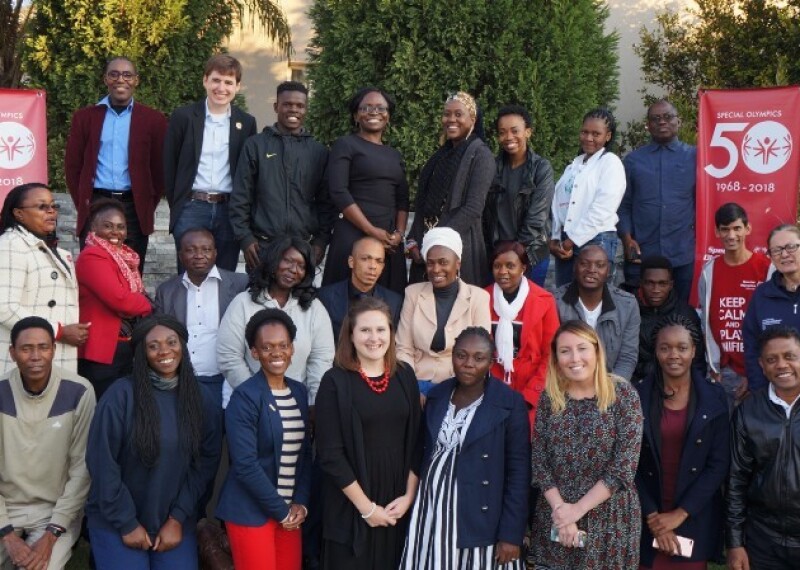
(552, 56)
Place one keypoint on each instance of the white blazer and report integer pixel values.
(596, 194)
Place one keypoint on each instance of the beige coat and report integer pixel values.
(33, 282)
(418, 325)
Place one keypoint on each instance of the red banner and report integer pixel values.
(23, 138)
(746, 153)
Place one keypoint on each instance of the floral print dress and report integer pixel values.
(574, 450)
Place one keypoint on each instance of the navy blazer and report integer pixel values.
(255, 435)
(183, 144)
(493, 471)
(336, 299)
(171, 295)
(703, 467)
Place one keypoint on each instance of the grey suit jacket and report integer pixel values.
(171, 294)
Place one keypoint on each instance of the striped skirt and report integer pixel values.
(433, 529)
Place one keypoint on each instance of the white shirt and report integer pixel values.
(590, 316)
(773, 397)
(202, 322)
(214, 169)
(590, 208)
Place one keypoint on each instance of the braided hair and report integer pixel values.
(673, 320)
(608, 118)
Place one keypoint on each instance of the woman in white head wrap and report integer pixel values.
(436, 311)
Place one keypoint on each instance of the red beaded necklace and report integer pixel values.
(378, 386)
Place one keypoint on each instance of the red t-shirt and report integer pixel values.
(731, 289)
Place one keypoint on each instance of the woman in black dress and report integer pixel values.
(367, 424)
(452, 190)
(367, 181)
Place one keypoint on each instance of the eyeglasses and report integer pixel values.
(788, 248)
(369, 109)
(126, 75)
(42, 207)
(666, 117)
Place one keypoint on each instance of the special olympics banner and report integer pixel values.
(23, 138)
(746, 153)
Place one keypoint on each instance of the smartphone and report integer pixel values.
(686, 544)
(582, 536)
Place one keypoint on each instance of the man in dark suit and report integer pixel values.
(201, 152)
(367, 260)
(198, 298)
(114, 150)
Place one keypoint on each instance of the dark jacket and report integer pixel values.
(764, 480)
(171, 295)
(341, 453)
(650, 317)
(255, 437)
(703, 467)
(617, 326)
(145, 149)
(493, 470)
(531, 205)
(280, 189)
(463, 212)
(336, 299)
(771, 304)
(183, 145)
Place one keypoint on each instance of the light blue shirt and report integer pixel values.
(112, 160)
(214, 169)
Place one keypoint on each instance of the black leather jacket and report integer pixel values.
(764, 480)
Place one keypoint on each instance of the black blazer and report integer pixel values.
(703, 467)
(336, 299)
(171, 294)
(182, 148)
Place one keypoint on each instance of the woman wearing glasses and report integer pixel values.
(775, 301)
(36, 277)
(367, 181)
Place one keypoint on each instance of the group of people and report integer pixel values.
(454, 415)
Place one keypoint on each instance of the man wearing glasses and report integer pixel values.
(657, 213)
(114, 150)
(279, 187)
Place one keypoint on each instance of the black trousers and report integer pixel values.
(103, 375)
(765, 553)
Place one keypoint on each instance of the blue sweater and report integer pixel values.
(124, 493)
(770, 305)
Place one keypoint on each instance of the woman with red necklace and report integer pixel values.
(367, 425)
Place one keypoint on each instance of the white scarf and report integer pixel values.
(504, 334)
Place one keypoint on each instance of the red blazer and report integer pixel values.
(104, 297)
(145, 160)
(539, 317)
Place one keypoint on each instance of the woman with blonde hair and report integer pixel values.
(585, 452)
(452, 190)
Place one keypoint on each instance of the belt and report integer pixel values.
(121, 195)
(210, 197)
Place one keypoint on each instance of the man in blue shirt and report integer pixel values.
(657, 213)
(114, 150)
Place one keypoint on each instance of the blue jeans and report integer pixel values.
(565, 270)
(425, 386)
(214, 218)
(538, 272)
(110, 553)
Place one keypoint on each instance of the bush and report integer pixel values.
(553, 57)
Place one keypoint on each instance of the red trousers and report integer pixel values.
(266, 547)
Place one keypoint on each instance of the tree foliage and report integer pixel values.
(551, 56)
(720, 44)
(13, 19)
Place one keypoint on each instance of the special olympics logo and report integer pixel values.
(17, 145)
(766, 147)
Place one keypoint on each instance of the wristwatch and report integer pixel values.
(6, 530)
(55, 530)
